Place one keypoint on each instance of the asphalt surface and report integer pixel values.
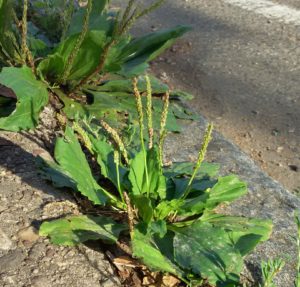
(242, 63)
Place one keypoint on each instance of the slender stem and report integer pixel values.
(202, 152)
(163, 122)
(139, 107)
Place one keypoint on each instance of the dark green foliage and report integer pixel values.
(31, 95)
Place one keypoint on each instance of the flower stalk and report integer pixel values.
(149, 111)
(163, 122)
(201, 156)
(117, 139)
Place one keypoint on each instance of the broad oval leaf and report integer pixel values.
(227, 189)
(125, 86)
(244, 232)
(208, 252)
(31, 94)
(77, 229)
(179, 169)
(143, 247)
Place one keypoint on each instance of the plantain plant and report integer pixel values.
(171, 216)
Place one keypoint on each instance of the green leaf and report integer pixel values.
(142, 50)
(244, 232)
(208, 252)
(177, 187)
(227, 189)
(51, 67)
(31, 94)
(182, 95)
(158, 228)
(125, 86)
(71, 108)
(53, 172)
(73, 230)
(184, 113)
(72, 161)
(187, 168)
(144, 248)
(103, 151)
(36, 46)
(137, 174)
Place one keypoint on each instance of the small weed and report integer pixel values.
(269, 270)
